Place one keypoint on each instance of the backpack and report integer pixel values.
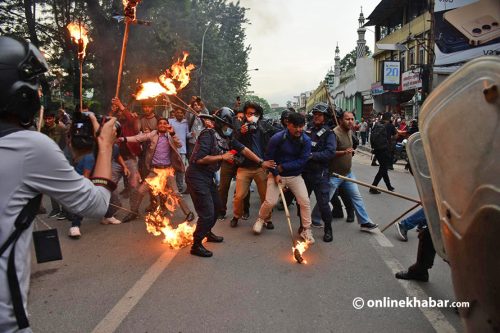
(378, 138)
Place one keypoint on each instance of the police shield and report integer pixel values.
(459, 125)
(420, 168)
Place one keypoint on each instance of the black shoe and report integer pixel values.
(403, 233)
(245, 216)
(349, 219)
(390, 188)
(390, 168)
(374, 164)
(234, 222)
(374, 191)
(328, 236)
(413, 275)
(368, 226)
(269, 225)
(53, 213)
(130, 217)
(221, 216)
(200, 251)
(213, 238)
(190, 217)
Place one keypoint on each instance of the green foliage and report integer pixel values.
(261, 101)
(177, 25)
(349, 60)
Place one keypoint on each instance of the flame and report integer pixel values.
(174, 79)
(79, 35)
(157, 223)
(302, 246)
(130, 8)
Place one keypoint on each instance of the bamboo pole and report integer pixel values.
(122, 57)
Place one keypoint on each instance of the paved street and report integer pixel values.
(119, 278)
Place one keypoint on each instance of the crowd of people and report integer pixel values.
(79, 160)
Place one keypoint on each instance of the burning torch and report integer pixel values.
(298, 249)
(79, 35)
(129, 12)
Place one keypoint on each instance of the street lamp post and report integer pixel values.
(202, 50)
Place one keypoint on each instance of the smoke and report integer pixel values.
(262, 15)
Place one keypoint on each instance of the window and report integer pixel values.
(411, 59)
(421, 55)
(402, 56)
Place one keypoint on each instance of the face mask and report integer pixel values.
(228, 131)
(252, 119)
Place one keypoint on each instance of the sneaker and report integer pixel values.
(61, 216)
(317, 225)
(368, 226)
(53, 213)
(257, 227)
(269, 225)
(307, 235)
(234, 222)
(221, 216)
(374, 191)
(245, 216)
(74, 232)
(403, 233)
(110, 220)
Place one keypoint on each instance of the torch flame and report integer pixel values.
(302, 247)
(79, 35)
(174, 79)
(130, 8)
(157, 223)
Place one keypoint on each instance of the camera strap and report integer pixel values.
(23, 221)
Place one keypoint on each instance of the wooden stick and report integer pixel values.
(188, 106)
(376, 188)
(399, 217)
(122, 57)
(81, 84)
(40, 119)
(334, 115)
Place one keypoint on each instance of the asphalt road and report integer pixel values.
(122, 279)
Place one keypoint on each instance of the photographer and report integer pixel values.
(253, 134)
(32, 164)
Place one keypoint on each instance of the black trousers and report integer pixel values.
(337, 205)
(206, 201)
(384, 159)
(319, 183)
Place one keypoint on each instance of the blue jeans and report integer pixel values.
(414, 220)
(353, 192)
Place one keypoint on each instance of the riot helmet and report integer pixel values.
(21, 64)
(322, 108)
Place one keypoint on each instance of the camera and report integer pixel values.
(82, 131)
(252, 127)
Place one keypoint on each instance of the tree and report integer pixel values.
(259, 100)
(177, 25)
(349, 60)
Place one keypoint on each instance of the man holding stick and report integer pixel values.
(341, 164)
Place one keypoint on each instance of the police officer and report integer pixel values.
(32, 164)
(316, 174)
(211, 149)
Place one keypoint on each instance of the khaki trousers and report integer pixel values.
(244, 177)
(298, 187)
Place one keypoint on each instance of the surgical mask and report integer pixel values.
(228, 131)
(252, 119)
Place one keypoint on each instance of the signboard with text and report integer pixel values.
(391, 73)
(411, 80)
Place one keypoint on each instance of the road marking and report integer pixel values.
(120, 311)
(435, 317)
(381, 239)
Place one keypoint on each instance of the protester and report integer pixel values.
(380, 140)
(180, 126)
(291, 149)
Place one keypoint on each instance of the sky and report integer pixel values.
(293, 42)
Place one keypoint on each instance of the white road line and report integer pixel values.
(435, 317)
(118, 313)
(381, 239)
